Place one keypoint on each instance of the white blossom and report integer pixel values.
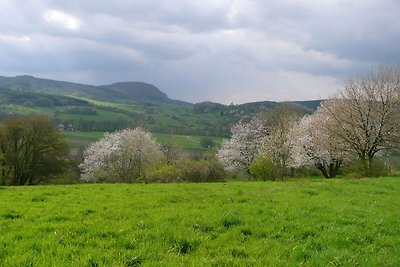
(239, 151)
(278, 145)
(365, 115)
(121, 156)
(315, 145)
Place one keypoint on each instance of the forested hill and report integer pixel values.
(126, 104)
(124, 92)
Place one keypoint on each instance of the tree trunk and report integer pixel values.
(322, 168)
(329, 170)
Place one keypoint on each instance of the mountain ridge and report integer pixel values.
(79, 107)
(116, 92)
(126, 91)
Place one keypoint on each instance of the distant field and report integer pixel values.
(312, 222)
(188, 142)
(101, 115)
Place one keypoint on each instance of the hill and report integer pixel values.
(125, 104)
(126, 92)
(139, 92)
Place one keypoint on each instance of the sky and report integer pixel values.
(226, 51)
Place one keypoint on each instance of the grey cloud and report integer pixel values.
(228, 50)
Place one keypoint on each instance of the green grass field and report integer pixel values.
(101, 115)
(312, 222)
(188, 142)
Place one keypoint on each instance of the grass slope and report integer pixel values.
(75, 107)
(304, 222)
(188, 142)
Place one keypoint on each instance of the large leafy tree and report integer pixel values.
(123, 156)
(32, 150)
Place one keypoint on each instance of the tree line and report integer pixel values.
(357, 125)
(33, 151)
(133, 155)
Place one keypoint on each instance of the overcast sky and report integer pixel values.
(196, 50)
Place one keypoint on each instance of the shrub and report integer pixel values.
(206, 142)
(377, 167)
(203, 170)
(263, 169)
(165, 174)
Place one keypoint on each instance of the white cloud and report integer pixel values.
(63, 19)
(15, 39)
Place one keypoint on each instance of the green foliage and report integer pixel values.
(237, 176)
(165, 174)
(301, 222)
(307, 172)
(118, 106)
(202, 170)
(80, 110)
(364, 168)
(188, 142)
(206, 142)
(263, 169)
(33, 150)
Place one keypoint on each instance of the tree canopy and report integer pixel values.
(365, 115)
(123, 156)
(32, 150)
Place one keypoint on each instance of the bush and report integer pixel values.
(203, 170)
(237, 176)
(263, 169)
(206, 142)
(307, 172)
(165, 174)
(360, 168)
(194, 170)
(216, 171)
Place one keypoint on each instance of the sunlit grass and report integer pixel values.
(101, 115)
(313, 222)
(189, 142)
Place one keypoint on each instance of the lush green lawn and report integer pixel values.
(313, 222)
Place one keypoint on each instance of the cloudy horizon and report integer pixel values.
(223, 51)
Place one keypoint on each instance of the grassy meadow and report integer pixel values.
(312, 222)
(188, 142)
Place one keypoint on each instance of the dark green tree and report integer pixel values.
(206, 142)
(33, 150)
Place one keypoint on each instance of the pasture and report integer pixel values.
(312, 222)
(188, 142)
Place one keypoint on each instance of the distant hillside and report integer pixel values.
(250, 109)
(311, 104)
(128, 92)
(142, 92)
(80, 107)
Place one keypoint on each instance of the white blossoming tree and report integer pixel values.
(278, 145)
(241, 149)
(365, 114)
(122, 156)
(314, 146)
